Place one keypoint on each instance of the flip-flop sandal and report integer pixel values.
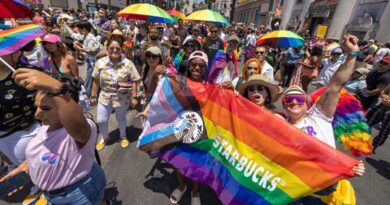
(195, 200)
(176, 195)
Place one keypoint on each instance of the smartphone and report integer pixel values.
(13, 183)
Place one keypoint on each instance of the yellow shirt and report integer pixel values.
(109, 76)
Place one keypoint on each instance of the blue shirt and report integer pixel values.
(292, 56)
(355, 85)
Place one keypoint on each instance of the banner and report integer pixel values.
(245, 153)
(321, 31)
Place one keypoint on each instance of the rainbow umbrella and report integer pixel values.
(281, 39)
(146, 12)
(207, 15)
(176, 14)
(332, 46)
(14, 39)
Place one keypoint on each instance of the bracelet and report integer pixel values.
(354, 53)
(93, 97)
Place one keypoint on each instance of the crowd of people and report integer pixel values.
(44, 132)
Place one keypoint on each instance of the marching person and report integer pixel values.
(380, 113)
(61, 62)
(197, 64)
(60, 159)
(109, 75)
(259, 91)
(90, 47)
(317, 121)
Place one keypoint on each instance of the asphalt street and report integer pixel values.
(133, 178)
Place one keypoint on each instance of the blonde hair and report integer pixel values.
(251, 60)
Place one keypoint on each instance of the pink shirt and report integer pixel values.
(55, 160)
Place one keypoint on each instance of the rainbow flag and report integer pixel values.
(166, 43)
(332, 46)
(219, 62)
(245, 153)
(14, 39)
(349, 123)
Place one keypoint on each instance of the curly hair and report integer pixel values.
(245, 68)
(74, 87)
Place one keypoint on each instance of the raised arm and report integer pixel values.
(69, 112)
(328, 100)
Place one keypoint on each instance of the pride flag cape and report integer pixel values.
(245, 153)
(15, 38)
(349, 124)
(219, 62)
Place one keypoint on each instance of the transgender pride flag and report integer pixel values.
(245, 153)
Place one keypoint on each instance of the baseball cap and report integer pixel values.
(196, 27)
(386, 59)
(154, 50)
(337, 51)
(199, 54)
(361, 70)
(51, 38)
(234, 38)
(294, 90)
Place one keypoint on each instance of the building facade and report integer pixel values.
(223, 7)
(84, 4)
(364, 18)
(294, 14)
(252, 11)
(259, 12)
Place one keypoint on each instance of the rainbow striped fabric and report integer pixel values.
(349, 123)
(246, 154)
(14, 39)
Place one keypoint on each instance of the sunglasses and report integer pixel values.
(336, 54)
(200, 65)
(258, 88)
(384, 63)
(259, 52)
(114, 49)
(252, 68)
(149, 55)
(190, 45)
(299, 99)
(214, 31)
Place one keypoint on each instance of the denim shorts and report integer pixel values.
(88, 190)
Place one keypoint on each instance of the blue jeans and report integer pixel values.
(88, 190)
(90, 66)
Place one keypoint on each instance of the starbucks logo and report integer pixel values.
(188, 127)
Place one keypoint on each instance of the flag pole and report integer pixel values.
(8, 65)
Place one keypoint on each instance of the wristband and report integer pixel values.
(93, 97)
(354, 53)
